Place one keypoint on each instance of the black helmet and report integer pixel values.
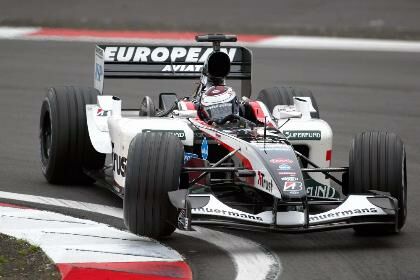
(218, 104)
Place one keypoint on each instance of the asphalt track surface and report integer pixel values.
(355, 91)
(355, 18)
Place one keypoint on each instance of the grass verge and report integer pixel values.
(21, 260)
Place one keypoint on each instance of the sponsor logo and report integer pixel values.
(284, 167)
(182, 68)
(178, 133)
(264, 183)
(272, 147)
(232, 214)
(188, 156)
(302, 134)
(119, 163)
(204, 149)
(99, 52)
(102, 113)
(341, 214)
(99, 71)
(293, 187)
(280, 160)
(287, 173)
(321, 191)
(219, 108)
(290, 179)
(168, 55)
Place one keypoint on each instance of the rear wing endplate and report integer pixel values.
(166, 62)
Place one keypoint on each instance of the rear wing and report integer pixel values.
(166, 62)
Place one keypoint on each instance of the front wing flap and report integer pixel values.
(355, 210)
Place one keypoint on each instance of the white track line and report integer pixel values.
(252, 261)
(16, 32)
(348, 44)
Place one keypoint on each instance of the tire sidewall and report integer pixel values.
(377, 161)
(49, 106)
(142, 199)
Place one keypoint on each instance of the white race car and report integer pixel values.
(217, 157)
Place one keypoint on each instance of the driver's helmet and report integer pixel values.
(218, 104)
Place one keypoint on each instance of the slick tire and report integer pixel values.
(65, 145)
(153, 169)
(283, 95)
(377, 161)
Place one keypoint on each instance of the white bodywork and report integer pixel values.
(318, 149)
(123, 130)
(111, 133)
(296, 123)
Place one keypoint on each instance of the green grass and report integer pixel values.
(3, 259)
(29, 250)
(21, 260)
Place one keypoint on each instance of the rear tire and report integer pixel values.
(377, 161)
(274, 96)
(153, 169)
(64, 138)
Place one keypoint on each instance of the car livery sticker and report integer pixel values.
(204, 149)
(265, 183)
(302, 134)
(287, 173)
(280, 160)
(178, 133)
(102, 113)
(284, 167)
(290, 179)
(188, 156)
(292, 187)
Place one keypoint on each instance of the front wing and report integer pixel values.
(355, 210)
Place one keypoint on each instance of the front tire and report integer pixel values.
(64, 138)
(153, 169)
(377, 161)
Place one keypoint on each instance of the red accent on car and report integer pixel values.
(257, 110)
(197, 162)
(216, 90)
(259, 113)
(190, 105)
(328, 155)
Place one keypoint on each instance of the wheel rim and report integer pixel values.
(46, 137)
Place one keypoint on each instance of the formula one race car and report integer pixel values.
(217, 157)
